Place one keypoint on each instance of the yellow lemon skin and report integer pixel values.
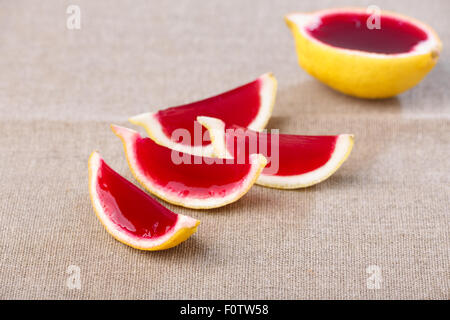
(358, 74)
(180, 236)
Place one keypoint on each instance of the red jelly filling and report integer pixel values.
(238, 106)
(193, 177)
(296, 154)
(131, 208)
(350, 31)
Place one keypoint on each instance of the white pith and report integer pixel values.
(216, 129)
(118, 232)
(342, 148)
(266, 94)
(129, 138)
(303, 20)
(154, 129)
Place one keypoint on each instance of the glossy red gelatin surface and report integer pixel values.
(350, 31)
(131, 208)
(236, 107)
(296, 154)
(197, 178)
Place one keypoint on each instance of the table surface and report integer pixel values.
(60, 89)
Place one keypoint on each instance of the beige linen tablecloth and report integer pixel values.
(388, 206)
